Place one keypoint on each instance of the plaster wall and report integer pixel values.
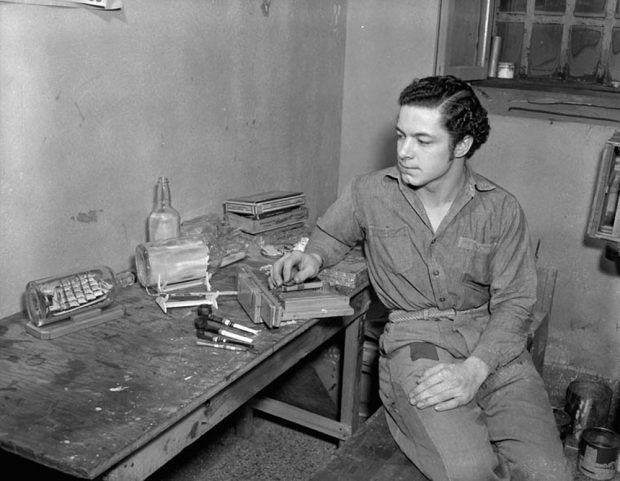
(386, 49)
(222, 97)
(551, 167)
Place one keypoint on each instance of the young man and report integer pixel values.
(449, 254)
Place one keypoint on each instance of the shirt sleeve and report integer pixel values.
(337, 231)
(513, 291)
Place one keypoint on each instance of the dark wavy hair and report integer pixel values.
(461, 110)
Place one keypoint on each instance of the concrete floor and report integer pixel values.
(275, 452)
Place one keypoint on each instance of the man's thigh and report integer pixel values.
(448, 445)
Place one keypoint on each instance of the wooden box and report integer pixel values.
(604, 222)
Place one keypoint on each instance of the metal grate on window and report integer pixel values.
(572, 40)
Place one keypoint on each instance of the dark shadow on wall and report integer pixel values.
(386, 148)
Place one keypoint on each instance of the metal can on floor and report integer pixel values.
(587, 403)
(598, 453)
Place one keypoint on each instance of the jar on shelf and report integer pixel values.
(505, 70)
(56, 298)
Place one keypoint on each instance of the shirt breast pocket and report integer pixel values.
(476, 257)
(391, 247)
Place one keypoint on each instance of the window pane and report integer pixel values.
(590, 7)
(551, 6)
(512, 6)
(618, 9)
(545, 49)
(585, 51)
(614, 61)
(512, 42)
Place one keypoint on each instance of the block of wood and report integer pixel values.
(351, 272)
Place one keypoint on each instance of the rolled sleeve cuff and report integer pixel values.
(329, 249)
(498, 355)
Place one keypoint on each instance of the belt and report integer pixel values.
(432, 313)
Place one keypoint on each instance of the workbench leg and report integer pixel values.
(352, 373)
(244, 425)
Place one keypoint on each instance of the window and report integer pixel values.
(464, 38)
(576, 41)
(566, 55)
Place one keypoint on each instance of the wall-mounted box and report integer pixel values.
(604, 222)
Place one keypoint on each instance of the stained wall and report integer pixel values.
(222, 97)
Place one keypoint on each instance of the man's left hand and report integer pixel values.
(447, 386)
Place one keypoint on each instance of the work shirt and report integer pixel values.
(480, 254)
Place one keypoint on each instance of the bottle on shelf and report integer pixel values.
(164, 221)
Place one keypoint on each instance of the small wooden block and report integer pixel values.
(272, 307)
(75, 323)
(249, 296)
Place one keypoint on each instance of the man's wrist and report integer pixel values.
(318, 258)
(479, 368)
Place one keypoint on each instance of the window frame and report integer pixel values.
(547, 99)
(450, 12)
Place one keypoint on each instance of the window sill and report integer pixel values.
(550, 101)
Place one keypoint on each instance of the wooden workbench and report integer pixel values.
(117, 400)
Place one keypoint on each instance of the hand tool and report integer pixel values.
(211, 337)
(206, 310)
(221, 346)
(205, 324)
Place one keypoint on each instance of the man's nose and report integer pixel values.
(405, 148)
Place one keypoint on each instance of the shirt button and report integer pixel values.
(442, 299)
(435, 272)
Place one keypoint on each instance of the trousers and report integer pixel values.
(507, 432)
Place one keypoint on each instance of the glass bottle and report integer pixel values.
(164, 221)
(59, 297)
(176, 260)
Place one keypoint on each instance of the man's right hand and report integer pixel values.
(294, 267)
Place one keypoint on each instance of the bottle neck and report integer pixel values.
(163, 192)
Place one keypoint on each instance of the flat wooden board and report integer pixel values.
(351, 272)
(74, 324)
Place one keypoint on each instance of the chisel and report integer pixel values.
(221, 346)
(212, 337)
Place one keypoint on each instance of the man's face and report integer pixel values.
(423, 145)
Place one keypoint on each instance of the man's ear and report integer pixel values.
(463, 146)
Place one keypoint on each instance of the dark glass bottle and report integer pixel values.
(164, 221)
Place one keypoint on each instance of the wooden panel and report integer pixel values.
(539, 331)
(303, 417)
